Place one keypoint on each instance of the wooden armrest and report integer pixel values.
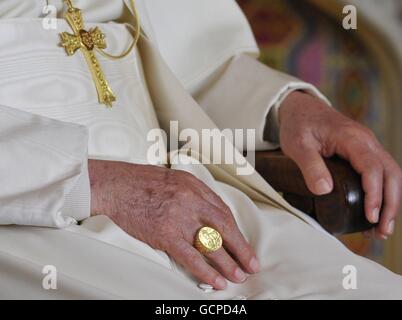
(340, 212)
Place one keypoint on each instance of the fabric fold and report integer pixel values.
(42, 161)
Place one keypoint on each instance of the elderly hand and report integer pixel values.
(165, 208)
(311, 130)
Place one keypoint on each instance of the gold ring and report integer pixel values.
(208, 240)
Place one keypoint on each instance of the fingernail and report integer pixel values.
(322, 186)
(390, 227)
(220, 283)
(240, 275)
(375, 215)
(254, 265)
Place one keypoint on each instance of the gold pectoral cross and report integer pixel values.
(87, 41)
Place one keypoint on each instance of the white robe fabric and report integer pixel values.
(49, 186)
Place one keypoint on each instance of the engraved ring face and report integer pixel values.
(208, 240)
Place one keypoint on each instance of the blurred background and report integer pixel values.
(358, 70)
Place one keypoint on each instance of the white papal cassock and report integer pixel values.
(51, 123)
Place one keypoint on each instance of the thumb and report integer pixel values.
(314, 170)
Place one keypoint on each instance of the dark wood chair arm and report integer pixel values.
(340, 212)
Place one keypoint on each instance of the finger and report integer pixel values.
(367, 164)
(379, 235)
(225, 264)
(242, 251)
(234, 241)
(186, 255)
(392, 195)
(209, 195)
(372, 183)
(314, 170)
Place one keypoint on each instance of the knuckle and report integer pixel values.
(186, 175)
(171, 208)
(184, 192)
(349, 130)
(190, 256)
(246, 250)
(397, 173)
(224, 206)
(356, 129)
(394, 170)
(168, 232)
(374, 167)
(371, 165)
(169, 244)
(354, 133)
(219, 202)
(225, 221)
(302, 140)
(371, 137)
(366, 135)
(366, 132)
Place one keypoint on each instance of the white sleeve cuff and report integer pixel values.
(46, 182)
(77, 203)
(273, 107)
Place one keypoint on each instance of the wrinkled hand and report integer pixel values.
(311, 130)
(165, 208)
